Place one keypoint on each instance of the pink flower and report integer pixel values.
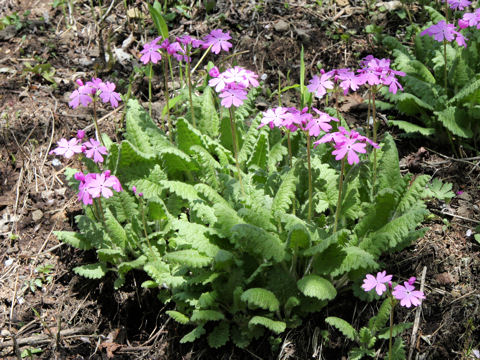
(275, 117)
(470, 19)
(214, 72)
(95, 84)
(83, 194)
(407, 295)
(81, 95)
(67, 148)
(108, 94)
(322, 123)
(349, 148)
(218, 82)
(218, 40)
(101, 184)
(233, 95)
(319, 85)
(349, 81)
(443, 31)
(94, 150)
(458, 4)
(150, 52)
(378, 282)
(412, 280)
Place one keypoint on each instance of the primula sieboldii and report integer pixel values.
(319, 85)
(458, 4)
(443, 31)
(346, 144)
(83, 95)
(233, 95)
(232, 84)
(94, 150)
(218, 40)
(67, 148)
(93, 185)
(322, 123)
(470, 20)
(406, 293)
(275, 117)
(377, 282)
(150, 53)
(378, 72)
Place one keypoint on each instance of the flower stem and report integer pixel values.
(391, 327)
(445, 68)
(189, 81)
(150, 72)
(97, 129)
(339, 201)
(167, 98)
(289, 143)
(310, 190)
(368, 112)
(374, 115)
(234, 141)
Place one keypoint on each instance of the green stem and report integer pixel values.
(289, 143)
(189, 80)
(99, 203)
(339, 201)
(368, 112)
(150, 75)
(167, 98)
(445, 67)
(374, 115)
(310, 188)
(391, 327)
(145, 224)
(234, 141)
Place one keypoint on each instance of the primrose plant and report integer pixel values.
(216, 208)
(377, 328)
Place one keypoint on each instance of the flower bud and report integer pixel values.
(80, 134)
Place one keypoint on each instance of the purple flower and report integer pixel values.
(407, 295)
(83, 194)
(67, 148)
(95, 84)
(319, 85)
(470, 19)
(108, 94)
(377, 282)
(81, 95)
(443, 31)
(218, 40)
(349, 148)
(218, 82)
(94, 150)
(458, 4)
(80, 134)
(349, 81)
(322, 123)
(233, 95)
(150, 52)
(412, 280)
(214, 72)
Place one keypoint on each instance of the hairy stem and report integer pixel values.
(189, 81)
(150, 75)
(235, 150)
(368, 112)
(310, 189)
(445, 83)
(339, 201)
(167, 98)
(391, 327)
(95, 121)
(375, 125)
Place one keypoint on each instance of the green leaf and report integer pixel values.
(409, 127)
(209, 122)
(206, 315)
(91, 271)
(466, 91)
(181, 189)
(388, 167)
(298, 237)
(439, 190)
(341, 325)
(275, 326)
(115, 230)
(262, 298)
(159, 21)
(455, 120)
(178, 317)
(219, 335)
(286, 192)
(187, 136)
(340, 237)
(356, 258)
(190, 257)
(74, 239)
(193, 335)
(123, 205)
(378, 322)
(397, 329)
(398, 350)
(317, 287)
(258, 241)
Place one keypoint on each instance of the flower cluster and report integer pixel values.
(217, 41)
(373, 72)
(94, 185)
(443, 31)
(406, 293)
(105, 90)
(458, 4)
(91, 148)
(347, 143)
(232, 84)
(470, 20)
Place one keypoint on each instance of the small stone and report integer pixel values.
(37, 215)
(445, 279)
(61, 191)
(281, 26)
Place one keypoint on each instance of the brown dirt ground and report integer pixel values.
(97, 323)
